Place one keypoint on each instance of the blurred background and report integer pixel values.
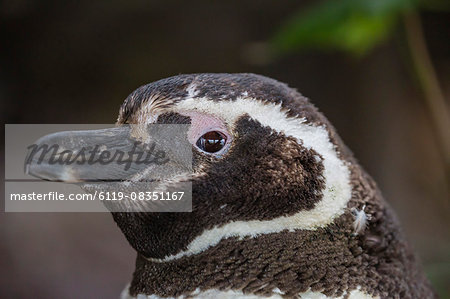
(371, 68)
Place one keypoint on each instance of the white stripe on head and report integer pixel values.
(336, 193)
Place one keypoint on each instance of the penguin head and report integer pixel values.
(264, 160)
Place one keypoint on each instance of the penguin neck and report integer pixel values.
(285, 263)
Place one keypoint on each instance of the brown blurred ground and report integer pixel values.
(75, 62)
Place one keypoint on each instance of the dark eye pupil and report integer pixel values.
(212, 142)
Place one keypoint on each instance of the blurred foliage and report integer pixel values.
(354, 26)
(439, 274)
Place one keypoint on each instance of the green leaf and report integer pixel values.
(354, 26)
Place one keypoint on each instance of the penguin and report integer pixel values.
(280, 206)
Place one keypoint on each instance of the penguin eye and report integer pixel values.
(211, 142)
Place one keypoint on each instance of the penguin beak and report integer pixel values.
(95, 155)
